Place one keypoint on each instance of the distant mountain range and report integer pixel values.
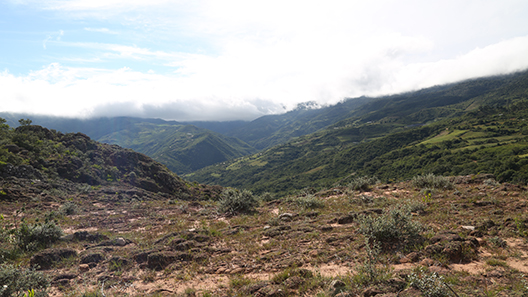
(392, 137)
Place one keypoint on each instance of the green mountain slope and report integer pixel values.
(470, 127)
(181, 148)
(307, 118)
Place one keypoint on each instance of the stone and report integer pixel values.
(92, 258)
(286, 217)
(84, 267)
(48, 257)
(120, 241)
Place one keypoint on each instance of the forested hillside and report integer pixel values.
(472, 127)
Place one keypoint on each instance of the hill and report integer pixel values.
(36, 153)
(465, 128)
(182, 148)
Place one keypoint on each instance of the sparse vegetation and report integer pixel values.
(393, 228)
(363, 183)
(15, 281)
(233, 201)
(429, 283)
(35, 236)
(431, 181)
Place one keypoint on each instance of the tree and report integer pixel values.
(25, 122)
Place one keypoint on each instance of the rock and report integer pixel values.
(92, 258)
(346, 219)
(471, 228)
(337, 286)
(327, 228)
(410, 292)
(369, 292)
(86, 236)
(286, 217)
(161, 260)
(47, 258)
(84, 267)
(427, 262)
(293, 282)
(120, 241)
(445, 237)
(312, 214)
(410, 258)
(271, 291)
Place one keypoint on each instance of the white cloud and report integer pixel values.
(241, 59)
(100, 30)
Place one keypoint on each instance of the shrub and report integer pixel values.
(234, 201)
(430, 284)
(15, 281)
(432, 181)
(368, 273)
(309, 202)
(69, 208)
(363, 183)
(393, 226)
(37, 236)
(267, 197)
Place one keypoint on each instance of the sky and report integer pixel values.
(241, 59)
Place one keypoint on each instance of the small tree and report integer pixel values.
(25, 122)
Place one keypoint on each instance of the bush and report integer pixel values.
(234, 201)
(430, 284)
(309, 202)
(37, 236)
(368, 272)
(432, 181)
(362, 183)
(393, 226)
(69, 208)
(267, 197)
(15, 280)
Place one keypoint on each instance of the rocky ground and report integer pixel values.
(124, 241)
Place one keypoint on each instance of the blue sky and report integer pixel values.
(240, 59)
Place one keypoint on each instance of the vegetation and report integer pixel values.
(393, 228)
(469, 128)
(16, 280)
(233, 201)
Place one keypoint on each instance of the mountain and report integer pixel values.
(182, 148)
(470, 127)
(36, 153)
(307, 118)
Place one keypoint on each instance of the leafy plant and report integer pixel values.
(432, 181)
(32, 237)
(363, 183)
(14, 281)
(430, 284)
(368, 272)
(233, 201)
(393, 226)
(69, 208)
(309, 202)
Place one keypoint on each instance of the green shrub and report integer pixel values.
(234, 201)
(430, 284)
(14, 281)
(362, 183)
(32, 237)
(392, 227)
(309, 202)
(369, 273)
(432, 181)
(267, 197)
(69, 208)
